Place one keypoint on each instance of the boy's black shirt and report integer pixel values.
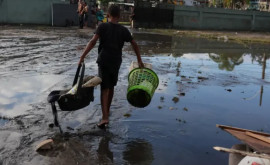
(111, 41)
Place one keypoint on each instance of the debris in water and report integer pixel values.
(175, 99)
(182, 94)
(229, 90)
(171, 108)
(178, 119)
(178, 64)
(185, 109)
(161, 98)
(202, 78)
(70, 128)
(199, 72)
(51, 125)
(127, 115)
(45, 145)
(159, 107)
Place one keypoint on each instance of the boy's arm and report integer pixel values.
(89, 46)
(137, 52)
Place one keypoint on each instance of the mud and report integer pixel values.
(192, 97)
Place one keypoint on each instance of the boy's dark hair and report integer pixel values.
(114, 10)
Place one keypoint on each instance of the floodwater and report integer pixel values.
(202, 83)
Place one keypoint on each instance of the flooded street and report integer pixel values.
(202, 83)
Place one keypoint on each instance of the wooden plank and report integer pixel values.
(260, 137)
(222, 149)
(242, 130)
(254, 143)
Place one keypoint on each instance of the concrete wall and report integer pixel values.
(220, 19)
(188, 17)
(27, 11)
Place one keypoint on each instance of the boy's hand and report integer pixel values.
(81, 61)
(141, 65)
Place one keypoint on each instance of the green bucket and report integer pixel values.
(142, 84)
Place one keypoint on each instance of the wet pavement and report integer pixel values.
(202, 83)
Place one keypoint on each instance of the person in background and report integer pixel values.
(85, 12)
(99, 15)
(111, 37)
(80, 12)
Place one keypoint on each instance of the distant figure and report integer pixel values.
(80, 12)
(99, 15)
(85, 13)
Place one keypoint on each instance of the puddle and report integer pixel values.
(236, 96)
(202, 83)
(2, 122)
(17, 94)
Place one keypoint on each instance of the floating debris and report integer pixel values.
(202, 78)
(171, 108)
(199, 72)
(182, 94)
(51, 125)
(159, 107)
(229, 90)
(175, 99)
(127, 115)
(72, 129)
(185, 109)
(178, 64)
(178, 120)
(161, 98)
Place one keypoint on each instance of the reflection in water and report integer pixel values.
(105, 155)
(263, 75)
(80, 150)
(227, 62)
(138, 152)
(17, 93)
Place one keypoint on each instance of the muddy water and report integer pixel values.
(202, 83)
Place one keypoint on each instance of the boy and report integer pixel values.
(112, 37)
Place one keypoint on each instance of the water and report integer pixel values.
(187, 128)
(202, 83)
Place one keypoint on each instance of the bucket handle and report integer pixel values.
(77, 75)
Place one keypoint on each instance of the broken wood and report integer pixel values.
(260, 137)
(254, 143)
(240, 129)
(244, 153)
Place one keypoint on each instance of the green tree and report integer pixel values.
(227, 62)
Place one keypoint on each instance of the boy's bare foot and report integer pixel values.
(103, 124)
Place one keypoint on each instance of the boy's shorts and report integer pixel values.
(109, 76)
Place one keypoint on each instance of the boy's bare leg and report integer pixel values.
(106, 100)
